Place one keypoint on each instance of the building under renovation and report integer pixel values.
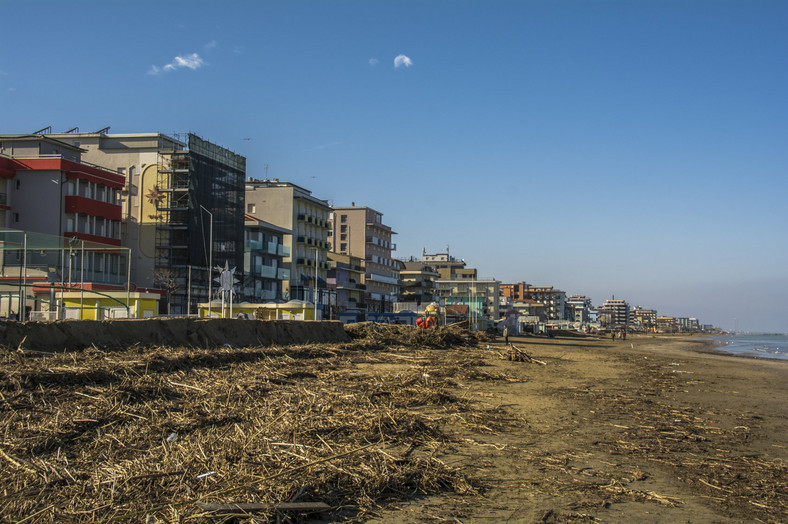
(182, 208)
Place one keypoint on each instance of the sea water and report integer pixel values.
(763, 346)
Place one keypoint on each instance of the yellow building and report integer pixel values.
(95, 305)
(293, 310)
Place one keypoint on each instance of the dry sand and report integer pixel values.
(643, 430)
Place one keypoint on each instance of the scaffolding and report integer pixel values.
(200, 195)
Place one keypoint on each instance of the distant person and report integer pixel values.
(623, 334)
(613, 335)
(506, 334)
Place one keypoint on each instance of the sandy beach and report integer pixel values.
(651, 429)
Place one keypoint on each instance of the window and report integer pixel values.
(16, 215)
(342, 247)
(250, 208)
(343, 218)
(18, 183)
(343, 229)
(343, 237)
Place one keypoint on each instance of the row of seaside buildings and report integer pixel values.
(100, 225)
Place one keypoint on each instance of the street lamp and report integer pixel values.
(210, 258)
(315, 293)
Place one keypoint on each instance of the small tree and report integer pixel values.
(165, 279)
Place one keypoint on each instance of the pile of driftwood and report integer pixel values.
(383, 335)
(167, 434)
(518, 355)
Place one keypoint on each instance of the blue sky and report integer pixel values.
(628, 148)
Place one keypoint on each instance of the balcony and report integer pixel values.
(282, 274)
(253, 245)
(267, 294)
(266, 271)
(281, 250)
(381, 278)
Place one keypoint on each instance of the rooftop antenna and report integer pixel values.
(265, 166)
(102, 131)
(72, 130)
(47, 129)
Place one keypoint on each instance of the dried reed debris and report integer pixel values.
(151, 432)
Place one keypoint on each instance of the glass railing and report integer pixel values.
(253, 245)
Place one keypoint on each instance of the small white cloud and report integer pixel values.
(373, 61)
(402, 60)
(192, 61)
(210, 45)
(239, 49)
(12, 89)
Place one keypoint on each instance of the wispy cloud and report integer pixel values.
(210, 45)
(373, 61)
(239, 49)
(402, 61)
(192, 61)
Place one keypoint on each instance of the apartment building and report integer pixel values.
(419, 286)
(481, 295)
(294, 208)
(182, 206)
(666, 324)
(644, 317)
(554, 300)
(346, 278)
(39, 173)
(67, 213)
(360, 231)
(579, 307)
(614, 312)
(448, 267)
(514, 292)
(264, 268)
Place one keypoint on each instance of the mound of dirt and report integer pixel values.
(68, 335)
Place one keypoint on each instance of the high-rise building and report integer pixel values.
(614, 312)
(294, 208)
(360, 231)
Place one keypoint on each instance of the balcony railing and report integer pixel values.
(267, 271)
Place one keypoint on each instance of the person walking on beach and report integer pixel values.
(506, 334)
(613, 335)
